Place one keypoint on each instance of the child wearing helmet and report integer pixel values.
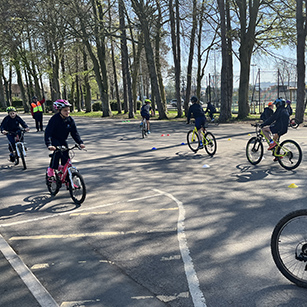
(146, 112)
(277, 124)
(199, 115)
(57, 131)
(267, 112)
(10, 127)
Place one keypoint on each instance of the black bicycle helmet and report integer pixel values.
(194, 99)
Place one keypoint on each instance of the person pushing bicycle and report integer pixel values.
(199, 116)
(11, 124)
(277, 124)
(57, 131)
(146, 112)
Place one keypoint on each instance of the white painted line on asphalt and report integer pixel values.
(193, 282)
(76, 211)
(36, 288)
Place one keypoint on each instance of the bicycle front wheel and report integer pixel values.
(289, 247)
(210, 144)
(294, 123)
(53, 185)
(22, 157)
(254, 150)
(193, 140)
(291, 154)
(78, 190)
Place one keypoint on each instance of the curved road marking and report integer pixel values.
(193, 282)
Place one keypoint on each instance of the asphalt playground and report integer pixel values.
(160, 226)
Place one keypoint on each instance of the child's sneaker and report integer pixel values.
(11, 157)
(272, 145)
(201, 146)
(148, 131)
(50, 172)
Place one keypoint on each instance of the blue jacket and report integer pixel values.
(12, 124)
(197, 110)
(58, 130)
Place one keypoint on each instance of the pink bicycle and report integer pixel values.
(69, 176)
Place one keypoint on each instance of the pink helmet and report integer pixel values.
(60, 104)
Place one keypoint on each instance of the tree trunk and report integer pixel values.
(88, 96)
(150, 58)
(125, 57)
(247, 39)
(190, 61)
(25, 102)
(301, 68)
(176, 53)
(226, 69)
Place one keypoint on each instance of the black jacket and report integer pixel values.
(12, 124)
(197, 110)
(58, 130)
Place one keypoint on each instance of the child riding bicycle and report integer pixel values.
(10, 127)
(277, 124)
(146, 112)
(211, 110)
(199, 116)
(59, 127)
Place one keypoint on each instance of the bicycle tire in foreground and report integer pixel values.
(289, 247)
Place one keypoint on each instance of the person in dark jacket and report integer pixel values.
(211, 110)
(57, 131)
(146, 112)
(277, 124)
(199, 115)
(10, 127)
(267, 112)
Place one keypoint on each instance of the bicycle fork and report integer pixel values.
(22, 147)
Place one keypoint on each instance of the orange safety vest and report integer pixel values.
(37, 107)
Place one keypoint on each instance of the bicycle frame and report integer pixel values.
(67, 169)
(202, 131)
(261, 136)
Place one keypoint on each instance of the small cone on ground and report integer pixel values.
(292, 186)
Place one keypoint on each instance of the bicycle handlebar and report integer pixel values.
(64, 148)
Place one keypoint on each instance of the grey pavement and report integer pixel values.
(161, 226)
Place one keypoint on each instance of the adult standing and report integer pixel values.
(37, 112)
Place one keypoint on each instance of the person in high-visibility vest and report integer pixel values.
(37, 112)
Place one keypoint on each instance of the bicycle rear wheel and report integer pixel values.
(53, 185)
(210, 144)
(291, 154)
(78, 190)
(289, 247)
(144, 129)
(254, 150)
(22, 157)
(216, 120)
(193, 140)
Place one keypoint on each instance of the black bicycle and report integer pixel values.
(289, 247)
